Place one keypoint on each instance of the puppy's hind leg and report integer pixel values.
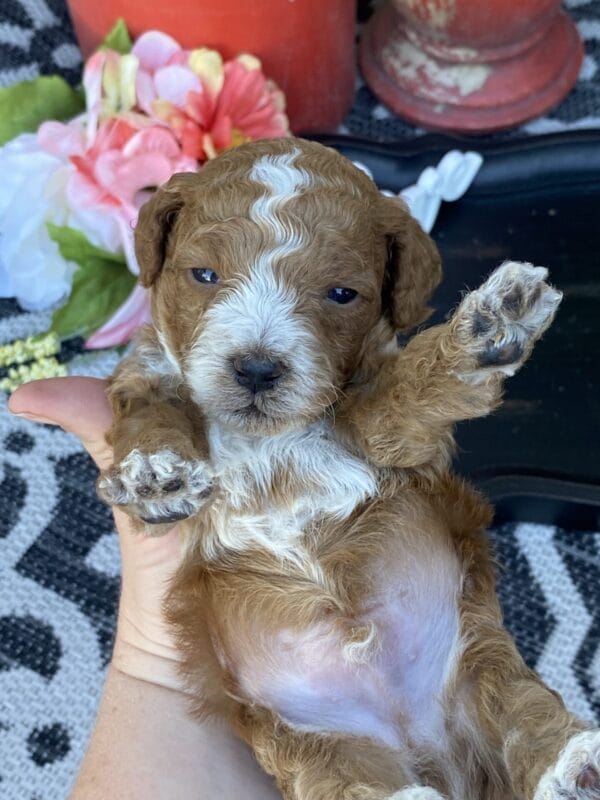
(311, 766)
(540, 749)
(576, 772)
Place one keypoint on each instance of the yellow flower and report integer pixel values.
(118, 82)
(32, 348)
(44, 368)
(208, 66)
(109, 80)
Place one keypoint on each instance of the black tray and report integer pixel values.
(538, 200)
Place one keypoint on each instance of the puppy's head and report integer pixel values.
(272, 270)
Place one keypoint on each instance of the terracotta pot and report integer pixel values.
(306, 46)
(470, 65)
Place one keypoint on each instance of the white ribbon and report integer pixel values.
(448, 181)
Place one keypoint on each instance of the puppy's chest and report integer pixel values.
(269, 490)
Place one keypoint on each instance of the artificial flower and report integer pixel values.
(74, 190)
(119, 329)
(116, 174)
(109, 83)
(36, 371)
(33, 348)
(34, 192)
(209, 104)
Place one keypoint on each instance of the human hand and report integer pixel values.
(144, 647)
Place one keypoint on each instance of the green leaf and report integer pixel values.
(24, 106)
(101, 284)
(118, 39)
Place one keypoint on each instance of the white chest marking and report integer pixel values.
(322, 478)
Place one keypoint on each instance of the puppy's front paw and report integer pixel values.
(158, 488)
(576, 774)
(500, 322)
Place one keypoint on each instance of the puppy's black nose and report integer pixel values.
(257, 374)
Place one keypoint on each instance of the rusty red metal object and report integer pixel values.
(470, 66)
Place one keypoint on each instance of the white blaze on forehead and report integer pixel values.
(282, 181)
(260, 311)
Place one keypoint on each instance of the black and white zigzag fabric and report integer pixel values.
(36, 38)
(59, 561)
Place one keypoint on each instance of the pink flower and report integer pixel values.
(209, 105)
(123, 164)
(119, 329)
(107, 183)
(155, 111)
(117, 173)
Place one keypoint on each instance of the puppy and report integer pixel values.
(336, 601)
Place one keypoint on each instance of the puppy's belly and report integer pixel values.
(392, 688)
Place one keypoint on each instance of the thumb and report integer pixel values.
(79, 405)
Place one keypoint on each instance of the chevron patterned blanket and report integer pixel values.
(59, 562)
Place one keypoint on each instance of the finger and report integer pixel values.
(79, 405)
(157, 555)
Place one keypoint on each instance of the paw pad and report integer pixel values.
(159, 488)
(499, 322)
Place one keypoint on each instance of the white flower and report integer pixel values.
(31, 266)
(33, 192)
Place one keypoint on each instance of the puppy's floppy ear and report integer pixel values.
(155, 223)
(413, 267)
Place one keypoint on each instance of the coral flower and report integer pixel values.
(247, 107)
(209, 105)
(150, 113)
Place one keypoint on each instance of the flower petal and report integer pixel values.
(7, 286)
(92, 77)
(152, 140)
(127, 81)
(111, 78)
(92, 87)
(154, 49)
(127, 223)
(200, 107)
(132, 175)
(173, 84)
(119, 329)
(145, 91)
(62, 140)
(249, 62)
(208, 65)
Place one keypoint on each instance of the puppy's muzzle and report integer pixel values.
(256, 373)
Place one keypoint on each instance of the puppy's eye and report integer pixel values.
(205, 275)
(341, 295)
